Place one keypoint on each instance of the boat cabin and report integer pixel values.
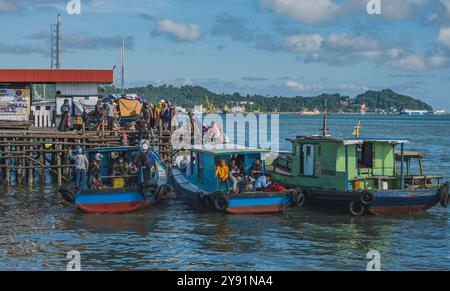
(119, 167)
(203, 161)
(349, 164)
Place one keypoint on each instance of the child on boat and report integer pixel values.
(94, 172)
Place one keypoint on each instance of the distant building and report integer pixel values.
(439, 112)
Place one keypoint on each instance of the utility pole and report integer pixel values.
(123, 67)
(56, 44)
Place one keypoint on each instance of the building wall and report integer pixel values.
(75, 89)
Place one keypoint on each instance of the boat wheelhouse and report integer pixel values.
(197, 183)
(123, 187)
(363, 175)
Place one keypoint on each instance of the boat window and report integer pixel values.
(364, 154)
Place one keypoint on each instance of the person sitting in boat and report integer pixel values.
(223, 175)
(235, 175)
(120, 166)
(133, 170)
(94, 172)
(81, 167)
(263, 182)
(256, 170)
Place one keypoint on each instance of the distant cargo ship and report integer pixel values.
(411, 112)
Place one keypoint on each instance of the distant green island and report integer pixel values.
(384, 101)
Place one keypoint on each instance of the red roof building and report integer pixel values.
(56, 76)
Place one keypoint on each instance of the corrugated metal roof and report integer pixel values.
(56, 76)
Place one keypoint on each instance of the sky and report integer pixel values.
(268, 47)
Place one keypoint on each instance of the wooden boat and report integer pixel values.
(196, 183)
(120, 194)
(359, 175)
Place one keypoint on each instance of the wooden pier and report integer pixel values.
(29, 154)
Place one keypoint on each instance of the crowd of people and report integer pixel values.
(234, 173)
(105, 115)
(155, 117)
(89, 174)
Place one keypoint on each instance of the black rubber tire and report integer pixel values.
(148, 187)
(299, 198)
(220, 202)
(444, 195)
(67, 194)
(366, 198)
(357, 208)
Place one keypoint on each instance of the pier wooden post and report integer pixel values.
(30, 169)
(58, 163)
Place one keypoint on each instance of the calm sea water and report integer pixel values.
(37, 229)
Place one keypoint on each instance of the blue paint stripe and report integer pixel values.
(110, 198)
(239, 202)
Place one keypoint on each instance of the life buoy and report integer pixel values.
(299, 198)
(366, 198)
(148, 189)
(67, 194)
(444, 195)
(357, 208)
(203, 199)
(220, 201)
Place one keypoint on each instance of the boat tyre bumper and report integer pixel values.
(444, 195)
(299, 198)
(67, 194)
(219, 201)
(357, 208)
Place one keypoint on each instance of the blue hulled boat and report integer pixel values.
(119, 189)
(194, 179)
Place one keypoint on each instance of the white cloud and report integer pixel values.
(444, 36)
(401, 9)
(301, 87)
(180, 31)
(446, 4)
(413, 62)
(307, 11)
(304, 43)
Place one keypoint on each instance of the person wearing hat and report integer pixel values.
(146, 161)
(81, 167)
(95, 171)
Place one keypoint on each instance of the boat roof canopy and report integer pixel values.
(350, 141)
(223, 149)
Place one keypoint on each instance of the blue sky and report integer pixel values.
(268, 47)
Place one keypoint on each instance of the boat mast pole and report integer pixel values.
(123, 67)
(325, 117)
(402, 159)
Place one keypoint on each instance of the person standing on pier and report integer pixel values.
(111, 114)
(81, 167)
(65, 110)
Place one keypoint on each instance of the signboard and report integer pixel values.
(15, 101)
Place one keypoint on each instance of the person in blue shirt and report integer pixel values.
(262, 182)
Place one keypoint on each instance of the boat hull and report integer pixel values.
(237, 203)
(403, 201)
(389, 202)
(112, 202)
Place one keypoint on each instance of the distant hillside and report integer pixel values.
(189, 96)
